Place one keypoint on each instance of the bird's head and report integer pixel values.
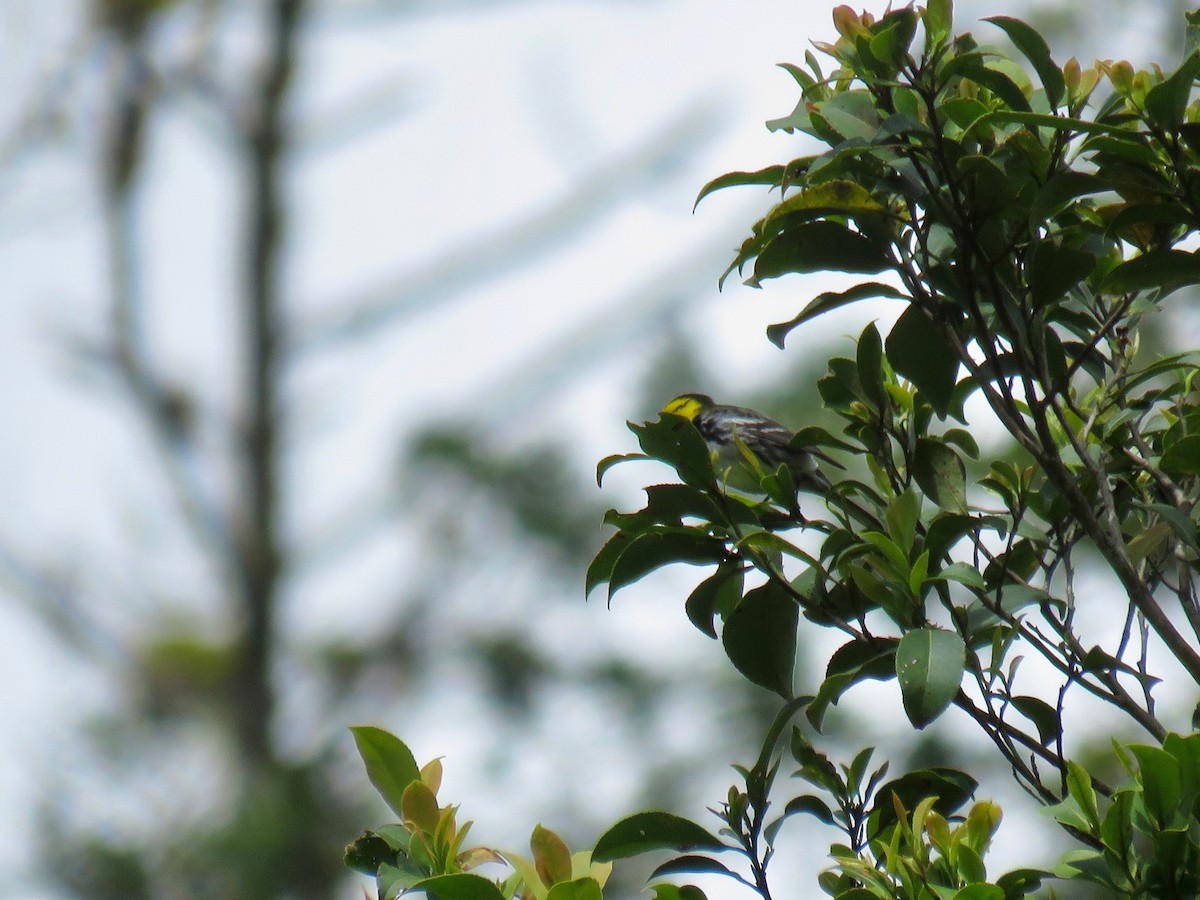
(689, 406)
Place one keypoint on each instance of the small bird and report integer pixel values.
(724, 427)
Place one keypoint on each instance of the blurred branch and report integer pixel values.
(486, 256)
(50, 596)
(166, 410)
(261, 553)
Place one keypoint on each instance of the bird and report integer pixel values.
(725, 427)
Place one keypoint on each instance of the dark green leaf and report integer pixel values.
(720, 592)
(390, 764)
(814, 806)
(819, 247)
(971, 66)
(929, 666)
(1043, 716)
(1035, 49)
(946, 530)
(851, 663)
(941, 474)
(675, 441)
(1021, 882)
(600, 569)
(1062, 190)
(870, 363)
(646, 831)
(690, 863)
(918, 350)
(368, 852)
(1052, 270)
(771, 175)
(1167, 270)
(460, 886)
(659, 548)
(1183, 456)
(952, 788)
(831, 300)
(1064, 124)
(609, 461)
(760, 637)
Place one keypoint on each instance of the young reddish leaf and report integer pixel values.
(551, 857)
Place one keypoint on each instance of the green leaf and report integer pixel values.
(646, 831)
(608, 462)
(903, 516)
(938, 17)
(691, 864)
(941, 474)
(1183, 456)
(946, 530)
(1158, 772)
(600, 569)
(951, 787)
(678, 892)
(929, 667)
(675, 441)
(890, 45)
(655, 549)
(918, 350)
(851, 663)
(1167, 270)
(963, 573)
(368, 852)
(870, 363)
(1021, 882)
(831, 300)
(1079, 789)
(771, 175)
(819, 247)
(1166, 102)
(971, 66)
(813, 806)
(718, 593)
(460, 886)
(1062, 190)
(852, 115)
(979, 891)
(1035, 49)
(390, 764)
(760, 637)
(1052, 270)
(1043, 716)
(585, 888)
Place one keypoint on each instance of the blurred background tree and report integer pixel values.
(341, 346)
